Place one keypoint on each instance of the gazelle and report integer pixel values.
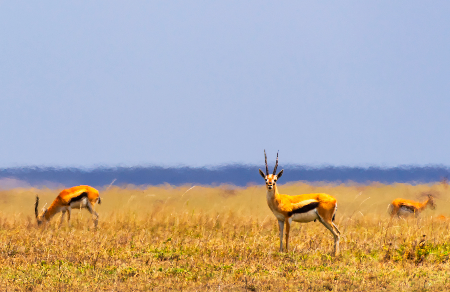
(402, 207)
(76, 197)
(300, 208)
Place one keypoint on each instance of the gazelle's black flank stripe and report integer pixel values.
(304, 209)
(408, 208)
(77, 198)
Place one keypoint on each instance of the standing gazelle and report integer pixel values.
(402, 207)
(301, 208)
(74, 198)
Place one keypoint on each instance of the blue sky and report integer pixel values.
(355, 83)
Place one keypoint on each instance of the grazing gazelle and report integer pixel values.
(402, 207)
(74, 198)
(300, 208)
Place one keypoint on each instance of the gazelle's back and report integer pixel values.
(322, 197)
(66, 195)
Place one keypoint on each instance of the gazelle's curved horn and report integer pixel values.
(276, 165)
(265, 157)
(36, 206)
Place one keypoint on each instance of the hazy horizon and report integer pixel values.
(239, 175)
(223, 165)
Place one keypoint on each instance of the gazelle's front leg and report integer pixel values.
(69, 211)
(62, 217)
(281, 225)
(92, 211)
(288, 229)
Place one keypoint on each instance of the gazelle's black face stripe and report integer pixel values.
(77, 198)
(304, 209)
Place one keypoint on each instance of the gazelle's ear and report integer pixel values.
(280, 173)
(262, 174)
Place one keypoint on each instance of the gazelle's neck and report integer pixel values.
(272, 193)
(51, 211)
(424, 204)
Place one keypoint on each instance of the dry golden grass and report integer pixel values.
(224, 238)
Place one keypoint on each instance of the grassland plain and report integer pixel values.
(224, 238)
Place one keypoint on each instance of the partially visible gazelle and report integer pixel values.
(301, 208)
(402, 207)
(74, 198)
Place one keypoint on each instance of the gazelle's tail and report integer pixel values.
(36, 206)
(334, 215)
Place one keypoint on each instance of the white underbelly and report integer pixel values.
(79, 204)
(305, 217)
(404, 212)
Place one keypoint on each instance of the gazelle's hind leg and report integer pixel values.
(92, 211)
(330, 226)
(335, 228)
(393, 210)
